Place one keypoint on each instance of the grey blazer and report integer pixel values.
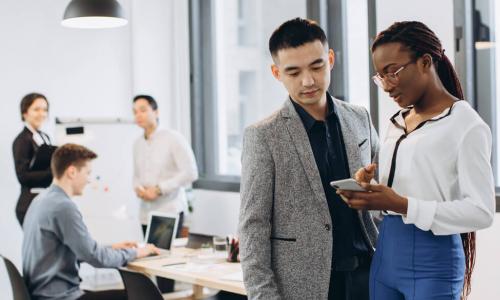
(284, 222)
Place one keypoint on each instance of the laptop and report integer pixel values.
(161, 231)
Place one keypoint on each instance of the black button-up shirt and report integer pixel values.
(330, 155)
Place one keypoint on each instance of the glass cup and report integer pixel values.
(220, 245)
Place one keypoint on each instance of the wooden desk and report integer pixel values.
(187, 265)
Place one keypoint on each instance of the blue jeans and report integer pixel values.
(412, 264)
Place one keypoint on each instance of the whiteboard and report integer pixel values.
(109, 205)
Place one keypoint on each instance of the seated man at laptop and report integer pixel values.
(56, 239)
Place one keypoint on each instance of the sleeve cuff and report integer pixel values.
(130, 255)
(420, 213)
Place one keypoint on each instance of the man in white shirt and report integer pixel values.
(164, 164)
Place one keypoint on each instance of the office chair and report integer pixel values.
(139, 286)
(19, 289)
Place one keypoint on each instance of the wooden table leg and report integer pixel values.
(197, 291)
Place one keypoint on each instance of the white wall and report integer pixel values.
(160, 60)
(215, 213)
(485, 277)
(85, 73)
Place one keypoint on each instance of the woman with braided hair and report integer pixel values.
(436, 182)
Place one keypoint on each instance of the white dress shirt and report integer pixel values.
(165, 160)
(39, 137)
(444, 169)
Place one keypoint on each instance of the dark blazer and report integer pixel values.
(24, 149)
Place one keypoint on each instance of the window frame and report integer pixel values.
(330, 14)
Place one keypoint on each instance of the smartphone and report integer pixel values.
(348, 185)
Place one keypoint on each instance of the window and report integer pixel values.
(247, 13)
(232, 86)
(477, 59)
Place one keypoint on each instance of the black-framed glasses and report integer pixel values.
(390, 79)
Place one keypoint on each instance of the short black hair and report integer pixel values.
(294, 33)
(150, 99)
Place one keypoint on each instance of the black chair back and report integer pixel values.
(139, 286)
(19, 289)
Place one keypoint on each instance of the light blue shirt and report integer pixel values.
(55, 241)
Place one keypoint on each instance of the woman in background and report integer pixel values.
(32, 151)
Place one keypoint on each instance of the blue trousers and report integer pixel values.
(412, 264)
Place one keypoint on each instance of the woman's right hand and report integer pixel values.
(366, 174)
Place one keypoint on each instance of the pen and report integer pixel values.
(173, 264)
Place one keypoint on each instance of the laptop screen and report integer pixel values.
(161, 231)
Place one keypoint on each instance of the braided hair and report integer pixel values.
(420, 40)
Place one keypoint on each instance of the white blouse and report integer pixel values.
(39, 137)
(443, 168)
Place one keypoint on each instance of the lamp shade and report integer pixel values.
(93, 14)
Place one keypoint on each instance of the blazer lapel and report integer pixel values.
(301, 142)
(348, 133)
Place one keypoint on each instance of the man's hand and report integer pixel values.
(366, 174)
(377, 197)
(139, 191)
(150, 193)
(147, 193)
(124, 245)
(147, 250)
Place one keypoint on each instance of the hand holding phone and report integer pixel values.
(347, 185)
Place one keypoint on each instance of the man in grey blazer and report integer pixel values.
(298, 239)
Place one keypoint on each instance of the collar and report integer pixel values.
(30, 128)
(309, 120)
(55, 187)
(399, 121)
(153, 134)
(37, 135)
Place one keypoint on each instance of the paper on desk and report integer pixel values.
(192, 267)
(181, 242)
(236, 276)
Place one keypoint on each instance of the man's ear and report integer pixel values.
(70, 171)
(331, 58)
(276, 71)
